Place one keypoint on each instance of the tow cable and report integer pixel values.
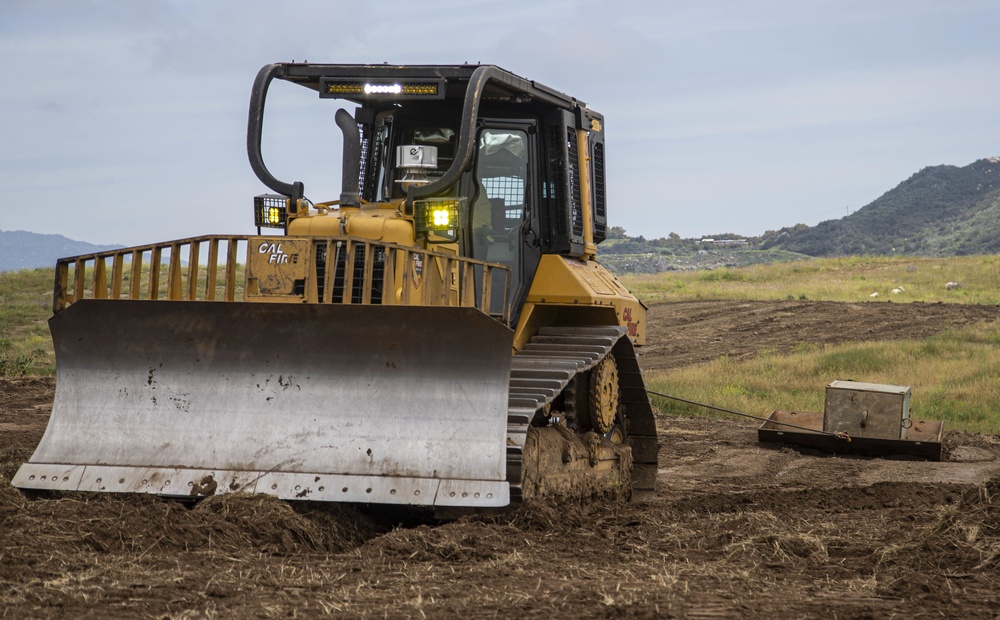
(838, 435)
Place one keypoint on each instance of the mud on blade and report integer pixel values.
(382, 404)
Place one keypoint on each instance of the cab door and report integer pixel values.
(501, 211)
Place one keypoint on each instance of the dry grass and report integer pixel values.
(954, 376)
(833, 279)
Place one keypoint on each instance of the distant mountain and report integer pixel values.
(939, 211)
(27, 250)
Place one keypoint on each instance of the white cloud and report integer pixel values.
(724, 113)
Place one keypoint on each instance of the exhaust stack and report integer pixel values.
(350, 194)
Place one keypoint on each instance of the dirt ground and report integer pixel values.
(698, 331)
(734, 529)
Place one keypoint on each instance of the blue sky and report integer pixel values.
(125, 122)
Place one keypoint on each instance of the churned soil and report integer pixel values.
(734, 529)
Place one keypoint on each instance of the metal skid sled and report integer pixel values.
(858, 418)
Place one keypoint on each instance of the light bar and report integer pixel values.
(426, 88)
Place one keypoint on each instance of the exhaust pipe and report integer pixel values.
(350, 194)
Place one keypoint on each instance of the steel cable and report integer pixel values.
(839, 435)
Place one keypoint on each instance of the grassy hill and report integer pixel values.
(939, 211)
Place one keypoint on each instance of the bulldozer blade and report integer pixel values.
(346, 403)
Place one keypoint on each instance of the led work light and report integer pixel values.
(438, 218)
(270, 211)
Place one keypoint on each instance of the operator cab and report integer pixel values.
(485, 163)
(495, 215)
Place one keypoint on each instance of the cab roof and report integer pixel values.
(362, 84)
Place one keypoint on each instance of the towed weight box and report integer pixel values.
(858, 418)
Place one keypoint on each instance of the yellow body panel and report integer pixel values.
(566, 290)
(274, 264)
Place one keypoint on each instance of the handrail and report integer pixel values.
(142, 280)
(173, 271)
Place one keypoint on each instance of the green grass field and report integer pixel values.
(955, 375)
(25, 306)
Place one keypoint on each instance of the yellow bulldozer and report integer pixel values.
(440, 336)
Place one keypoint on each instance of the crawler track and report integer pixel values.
(549, 363)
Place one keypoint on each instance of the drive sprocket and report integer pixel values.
(604, 395)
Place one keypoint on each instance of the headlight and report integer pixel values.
(270, 211)
(438, 219)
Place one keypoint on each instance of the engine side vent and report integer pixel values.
(600, 204)
(562, 204)
(576, 206)
(373, 149)
(365, 152)
(555, 224)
